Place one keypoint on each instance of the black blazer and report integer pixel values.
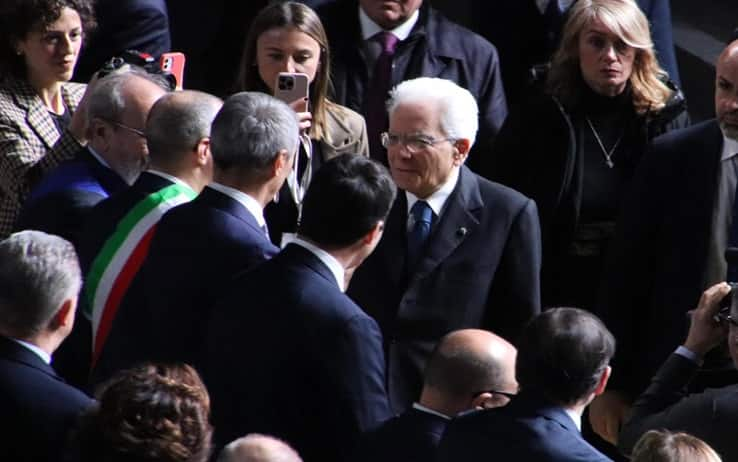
(288, 354)
(711, 415)
(197, 249)
(412, 436)
(480, 269)
(527, 429)
(659, 252)
(38, 408)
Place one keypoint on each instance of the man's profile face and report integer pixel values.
(422, 172)
(390, 13)
(726, 92)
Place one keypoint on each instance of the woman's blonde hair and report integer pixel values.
(302, 18)
(626, 20)
(664, 446)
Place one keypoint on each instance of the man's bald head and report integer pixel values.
(468, 363)
(726, 90)
(258, 448)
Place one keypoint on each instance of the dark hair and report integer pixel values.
(149, 413)
(563, 353)
(345, 200)
(304, 19)
(19, 17)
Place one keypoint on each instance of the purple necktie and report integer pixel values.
(376, 111)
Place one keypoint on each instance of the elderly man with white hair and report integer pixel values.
(458, 251)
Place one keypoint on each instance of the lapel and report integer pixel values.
(394, 242)
(459, 220)
(17, 353)
(37, 116)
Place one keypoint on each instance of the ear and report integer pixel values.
(461, 150)
(202, 152)
(64, 317)
(100, 132)
(374, 234)
(282, 162)
(482, 401)
(602, 384)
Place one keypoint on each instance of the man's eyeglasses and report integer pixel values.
(126, 127)
(413, 143)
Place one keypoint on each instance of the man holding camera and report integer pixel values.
(711, 415)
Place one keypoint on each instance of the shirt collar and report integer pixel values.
(730, 148)
(370, 28)
(39, 352)
(422, 408)
(575, 417)
(438, 199)
(97, 156)
(251, 204)
(327, 259)
(169, 177)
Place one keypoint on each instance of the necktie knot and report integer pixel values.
(421, 212)
(388, 40)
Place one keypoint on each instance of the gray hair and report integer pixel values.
(250, 130)
(38, 273)
(107, 100)
(177, 122)
(258, 448)
(458, 108)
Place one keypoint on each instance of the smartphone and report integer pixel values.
(173, 63)
(292, 86)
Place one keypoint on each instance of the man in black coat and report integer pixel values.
(478, 262)
(39, 282)
(429, 46)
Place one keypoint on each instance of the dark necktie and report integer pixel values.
(376, 111)
(418, 235)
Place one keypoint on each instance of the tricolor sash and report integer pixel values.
(121, 257)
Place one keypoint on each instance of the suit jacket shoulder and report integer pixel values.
(410, 437)
(346, 132)
(39, 409)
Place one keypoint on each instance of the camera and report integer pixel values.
(137, 58)
(286, 82)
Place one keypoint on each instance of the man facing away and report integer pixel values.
(469, 369)
(287, 353)
(562, 364)
(39, 282)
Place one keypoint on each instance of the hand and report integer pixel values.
(304, 117)
(704, 332)
(79, 123)
(607, 414)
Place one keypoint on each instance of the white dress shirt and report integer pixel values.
(436, 201)
(251, 204)
(328, 260)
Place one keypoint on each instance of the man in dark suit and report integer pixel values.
(458, 252)
(287, 352)
(39, 283)
(469, 369)
(141, 25)
(669, 247)
(118, 230)
(199, 246)
(711, 415)
(562, 364)
(113, 158)
(425, 44)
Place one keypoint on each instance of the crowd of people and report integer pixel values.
(405, 265)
